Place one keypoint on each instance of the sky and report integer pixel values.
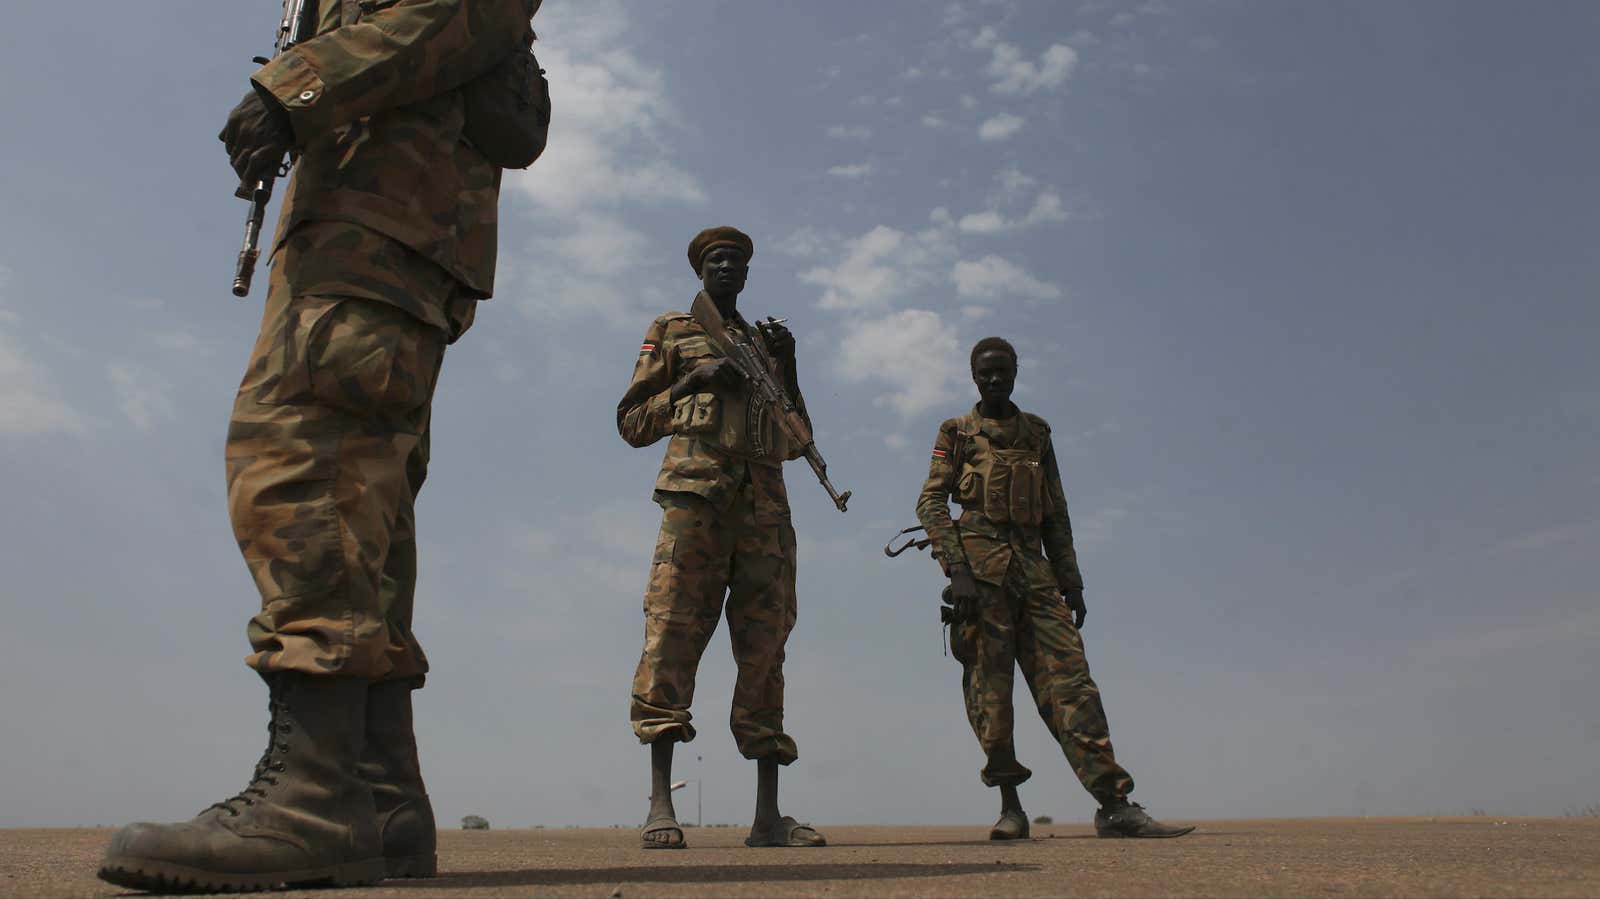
(1308, 293)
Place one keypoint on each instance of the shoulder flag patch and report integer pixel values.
(647, 347)
(939, 454)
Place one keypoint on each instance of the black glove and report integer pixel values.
(964, 593)
(258, 136)
(1074, 601)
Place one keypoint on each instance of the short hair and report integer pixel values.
(992, 343)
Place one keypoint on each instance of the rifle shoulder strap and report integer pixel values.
(959, 442)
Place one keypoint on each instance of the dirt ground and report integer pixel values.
(1444, 857)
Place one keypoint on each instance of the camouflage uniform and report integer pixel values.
(1014, 506)
(385, 245)
(724, 529)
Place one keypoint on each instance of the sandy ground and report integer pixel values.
(1455, 857)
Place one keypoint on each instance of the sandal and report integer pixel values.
(659, 825)
(786, 832)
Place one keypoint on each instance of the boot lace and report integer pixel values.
(266, 767)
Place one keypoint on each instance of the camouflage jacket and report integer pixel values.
(715, 438)
(377, 116)
(978, 540)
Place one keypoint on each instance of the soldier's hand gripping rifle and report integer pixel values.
(295, 27)
(748, 361)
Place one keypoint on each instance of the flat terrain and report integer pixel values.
(1443, 857)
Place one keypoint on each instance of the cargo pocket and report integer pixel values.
(969, 490)
(964, 641)
(664, 546)
(287, 348)
(374, 361)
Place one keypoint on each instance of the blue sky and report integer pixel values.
(1308, 292)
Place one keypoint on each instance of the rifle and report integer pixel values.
(891, 551)
(750, 364)
(295, 27)
(950, 615)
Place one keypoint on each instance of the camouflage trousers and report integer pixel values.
(1026, 624)
(748, 551)
(327, 449)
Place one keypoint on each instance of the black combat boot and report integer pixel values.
(305, 818)
(389, 764)
(1120, 818)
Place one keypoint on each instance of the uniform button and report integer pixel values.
(307, 95)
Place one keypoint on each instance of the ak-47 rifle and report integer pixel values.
(295, 27)
(750, 364)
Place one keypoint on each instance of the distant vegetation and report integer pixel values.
(474, 823)
(1592, 811)
(1043, 820)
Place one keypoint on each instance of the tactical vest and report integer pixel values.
(736, 421)
(1004, 486)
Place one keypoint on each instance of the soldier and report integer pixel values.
(724, 529)
(385, 245)
(1016, 605)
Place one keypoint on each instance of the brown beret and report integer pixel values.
(720, 236)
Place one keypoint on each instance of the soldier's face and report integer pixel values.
(995, 375)
(723, 271)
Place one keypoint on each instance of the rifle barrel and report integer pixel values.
(244, 270)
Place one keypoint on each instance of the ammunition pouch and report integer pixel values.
(1005, 486)
(508, 107)
(696, 414)
(962, 638)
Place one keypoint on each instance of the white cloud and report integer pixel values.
(1000, 127)
(1583, 627)
(993, 277)
(30, 401)
(805, 242)
(144, 397)
(880, 267)
(609, 158)
(851, 170)
(1015, 75)
(1047, 207)
(932, 120)
(1013, 181)
(986, 222)
(911, 350)
(849, 132)
(606, 143)
(577, 273)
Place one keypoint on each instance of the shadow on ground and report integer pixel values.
(448, 883)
